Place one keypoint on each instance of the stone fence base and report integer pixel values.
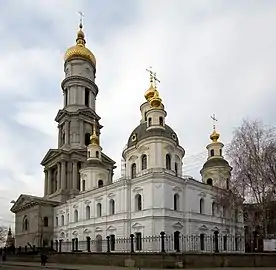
(159, 260)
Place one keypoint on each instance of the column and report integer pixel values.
(66, 132)
(63, 174)
(59, 136)
(45, 183)
(58, 176)
(81, 133)
(75, 175)
(49, 182)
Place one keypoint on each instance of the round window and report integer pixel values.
(133, 137)
(174, 136)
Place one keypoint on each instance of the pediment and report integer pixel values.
(178, 225)
(133, 158)
(111, 195)
(87, 202)
(99, 198)
(98, 229)
(52, 153)
(75, 233)
(137, 189)
(111, 228)
(203, 228)
(202, 194)
(177, 189)
(87, 231)
(137, 225)
(23, 201)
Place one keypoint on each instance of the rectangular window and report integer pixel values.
(87, 97)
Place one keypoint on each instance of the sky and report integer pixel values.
(211, 56)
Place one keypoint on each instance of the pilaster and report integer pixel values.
(63, 175)
(75, 175)
(58, 176)
(81, 133)
(49, 182)
(45, 183)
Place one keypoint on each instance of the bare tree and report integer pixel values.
(3, 234)
(252, 154)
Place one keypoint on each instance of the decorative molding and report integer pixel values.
(137, 225)
(202, 194)
(75, 233)
(83, 176)
(62, 212)
(158, 185)
(86, 231)
(111, 195)
(178, 225)
(75, 206)
(98, 229)
(99, 198)
(137, 189)
(133, 158)
(203, 228)
(177, 189)
(169, 148)
(111, 228)
(87, 202)
(143, 148)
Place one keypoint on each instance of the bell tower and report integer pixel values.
(76, 120)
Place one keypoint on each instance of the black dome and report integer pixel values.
(215, 162)
(141, 132)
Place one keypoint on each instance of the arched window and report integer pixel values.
(176, 242)
(212, 152)
(83, 185)
(86, 98)
(56, 221)
(133, 170)
(62, 220)
(144, 162)
(76, 216)
(63, 138)
(176, 202)
(97, 154)
(138, 202)
(111, 207)
(87, 139)
(25, 224)
(168, 162)
(149, 121)
(220, 152)
(210, 181)
(100, 183)
(176, 168)
(201, 206)
(202, 241)
(213, 208)
(161, 121)
(87, 209)
(45, 221)
(99, 210)
(66, 97)
(112, 242)
(227, 183)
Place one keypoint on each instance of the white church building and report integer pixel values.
(82, 200)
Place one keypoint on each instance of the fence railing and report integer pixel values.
(160, 243)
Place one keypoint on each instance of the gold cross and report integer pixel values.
(213, 117)
(153, 78)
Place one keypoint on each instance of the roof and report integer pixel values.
(141, 133)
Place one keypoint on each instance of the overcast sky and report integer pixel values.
(210, 56)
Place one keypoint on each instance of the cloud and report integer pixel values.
(211, 57)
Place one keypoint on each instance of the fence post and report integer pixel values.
(216, 241)
(77, 244)
(108, 243)
(73, 245)
(88, 243)
(132, 243)
(162, 241)
(60, 241)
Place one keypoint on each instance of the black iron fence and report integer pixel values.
(160, 243)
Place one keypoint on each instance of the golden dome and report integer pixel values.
(155, 101)
(149, 93)
(79, 50)
(214, 136)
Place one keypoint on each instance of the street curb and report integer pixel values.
(28, 265)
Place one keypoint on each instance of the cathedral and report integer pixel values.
(82, 200)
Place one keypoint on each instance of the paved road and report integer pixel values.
(36, 266)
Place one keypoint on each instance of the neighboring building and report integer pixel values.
(81, 198)
(10, 240)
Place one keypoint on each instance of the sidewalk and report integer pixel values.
(71, 266)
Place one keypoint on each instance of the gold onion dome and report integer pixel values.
(79, 50)
(155, 101)
(214, 136)
(150, 92)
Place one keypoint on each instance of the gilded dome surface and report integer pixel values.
(79, 50)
